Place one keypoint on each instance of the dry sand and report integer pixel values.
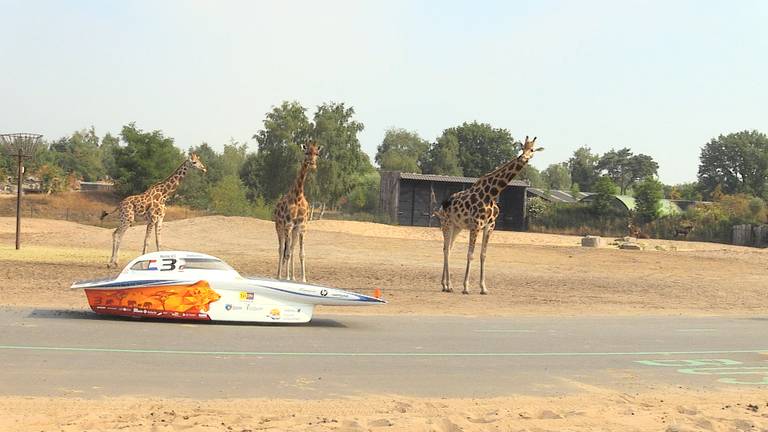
(528, 274)
(594, 410)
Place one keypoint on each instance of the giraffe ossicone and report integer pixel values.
(475, 209)
(151, 205)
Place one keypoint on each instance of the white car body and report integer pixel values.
(190, 285)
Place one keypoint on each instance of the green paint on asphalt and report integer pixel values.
(373, 354)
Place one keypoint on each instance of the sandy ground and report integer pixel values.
(667, 410)
(527, 274)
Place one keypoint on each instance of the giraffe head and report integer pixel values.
(195, 162)
(528, 148)
(311, 151)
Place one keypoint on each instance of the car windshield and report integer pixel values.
(188, 263)
(205, 264)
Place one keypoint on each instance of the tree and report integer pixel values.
(481, 148)
(79, 154)
(147, 158)
(583, 168)
(626, 169)
(648, 195)
(443, 157)
(557, 177)
(605, 191)
(195, 189)
(268, 173)
(533, 176)
(401, 150)
(738, 162)
(364, 196)
(684, 191)
(341, 159)
(232, 158)
(107, 149)
(228, 197)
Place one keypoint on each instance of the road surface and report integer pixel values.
(46, 352)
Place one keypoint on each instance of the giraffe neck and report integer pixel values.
(298, 187)
(497, 180)
(168, 186)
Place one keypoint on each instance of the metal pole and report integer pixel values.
(18, 203)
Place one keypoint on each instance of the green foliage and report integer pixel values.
(364, 196)
(626, 169)
(605, 190)
(269, 172)
(195, 190)
(232, 158)
(537, 207)
(575, 191)
(534, 177)
(737, 162)
(147, 157)
(648, 195)
(583, 168)
(79, 154)
(341, 159)
(578, 219)
(683, 191)
(557, 177)
(481, 148)
(228, 197)
(401, 150)
(52, 177)
(443, 157)
(742, 209)
(107, 149)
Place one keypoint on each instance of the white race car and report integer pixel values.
(189, 285)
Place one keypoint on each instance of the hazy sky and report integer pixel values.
(660, 77)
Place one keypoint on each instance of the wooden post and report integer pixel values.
(18, 202)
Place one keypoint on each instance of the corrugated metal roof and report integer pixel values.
(451, 179)
(554, 195)
(666, 207)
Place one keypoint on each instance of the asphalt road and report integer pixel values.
(76, 353)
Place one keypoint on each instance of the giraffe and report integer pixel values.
(150, 204)
(475, 209)
(290, 217)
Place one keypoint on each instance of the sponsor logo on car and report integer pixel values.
(246, 296)
(274, 314)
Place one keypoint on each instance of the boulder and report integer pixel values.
(592, 241)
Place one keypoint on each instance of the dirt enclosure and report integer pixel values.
(527, 273)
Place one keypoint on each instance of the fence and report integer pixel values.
(750, 235)
(87, 216)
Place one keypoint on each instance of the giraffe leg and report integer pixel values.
(446, 281)
(470, 256)
(280, 253)
(150, 224)
(158, 225)
(301, 255)
(449, 238)
(294, 238)
(486, 237)
(287, 249)
(117, 237)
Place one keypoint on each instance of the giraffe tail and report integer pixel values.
(106, 213)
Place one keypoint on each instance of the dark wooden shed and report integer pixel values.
(410, 199)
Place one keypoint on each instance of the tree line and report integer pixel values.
(240, 179)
